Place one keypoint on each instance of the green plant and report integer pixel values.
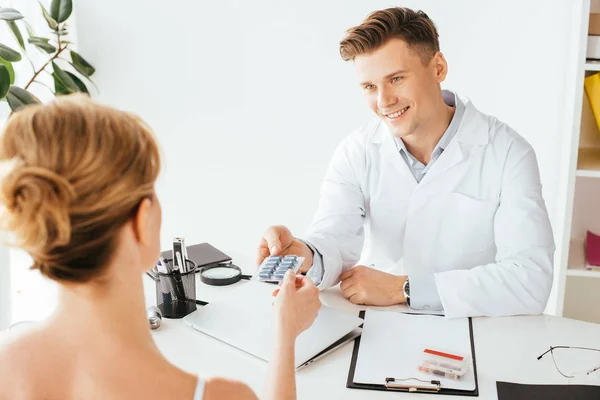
(56, 49)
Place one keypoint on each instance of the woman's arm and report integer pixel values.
(296, 308)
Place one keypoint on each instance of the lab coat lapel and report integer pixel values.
(473, 130)
(390, 157)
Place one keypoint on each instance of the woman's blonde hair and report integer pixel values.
(77, 173)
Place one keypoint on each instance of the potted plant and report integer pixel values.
(56, 48)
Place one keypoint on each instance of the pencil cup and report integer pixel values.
(176, 292)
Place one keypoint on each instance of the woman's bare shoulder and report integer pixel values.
(227, 389)
(18, 352)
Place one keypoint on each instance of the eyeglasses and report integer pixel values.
(573, 362)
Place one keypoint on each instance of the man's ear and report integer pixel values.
(440, 67)
(141, 222)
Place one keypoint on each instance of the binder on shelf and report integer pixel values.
(592, 91)
(592, 251)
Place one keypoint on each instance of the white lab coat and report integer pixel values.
(473, 236)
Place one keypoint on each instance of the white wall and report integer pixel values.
(5, 292)
(249, 99)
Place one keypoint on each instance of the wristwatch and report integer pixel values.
(406, 291)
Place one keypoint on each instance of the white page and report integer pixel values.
(244, 319)
(392, 345)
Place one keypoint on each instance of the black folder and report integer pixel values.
(372, 386)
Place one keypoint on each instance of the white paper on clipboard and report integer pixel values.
(392, 345)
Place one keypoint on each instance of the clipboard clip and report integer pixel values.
(413, 385)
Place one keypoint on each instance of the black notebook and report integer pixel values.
(518, 391)
(202, 254)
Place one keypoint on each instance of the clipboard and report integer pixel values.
(409, 384)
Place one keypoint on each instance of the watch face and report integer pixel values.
(221, 273)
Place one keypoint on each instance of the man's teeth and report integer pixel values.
(398, 113)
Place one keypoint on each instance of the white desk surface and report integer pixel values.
(505, 349)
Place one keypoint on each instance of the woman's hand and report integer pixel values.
(296, 304)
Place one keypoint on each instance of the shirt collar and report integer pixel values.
(452, 100)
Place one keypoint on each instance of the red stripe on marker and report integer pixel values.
(439, 353)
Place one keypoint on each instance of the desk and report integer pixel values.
(506, 349)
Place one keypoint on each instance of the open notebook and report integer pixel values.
(392, 345)
(244, 319)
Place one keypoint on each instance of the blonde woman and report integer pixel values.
(79, 198)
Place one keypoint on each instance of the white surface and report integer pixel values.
(505, 350)
(380, 356)
(579, 18)
(244, 319)
(593, 47)
(5, 292)
(588, 174)
(592, 65)
(244, 95)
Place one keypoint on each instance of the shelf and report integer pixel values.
(577, 261)
(588, 173)
(592, 65)
(588, 162)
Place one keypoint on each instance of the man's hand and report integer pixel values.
(368, 286)
(278, 241)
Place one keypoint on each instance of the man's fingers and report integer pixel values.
(262, 252)
(356, 299)
(350, 291)
(273, 239)
(347, 274)
(275, 292)
(346, 283)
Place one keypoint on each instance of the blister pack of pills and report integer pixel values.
(273, 268)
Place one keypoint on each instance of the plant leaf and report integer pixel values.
(4, 81)
(65, 79)
(81, 65)
(82, 87)
(18, 98)
(9, 54)
(15, 30)
(87, 78)
(10, 14)
(61, 89)
(51, 21)
(42, 44)
(9, 67)
(61, 9)
(37, 39)
(29, 29)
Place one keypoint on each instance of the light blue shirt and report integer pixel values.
(422, 287)
(417, 167)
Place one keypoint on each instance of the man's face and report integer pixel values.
(402, 91)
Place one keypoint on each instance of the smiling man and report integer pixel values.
(450, 198)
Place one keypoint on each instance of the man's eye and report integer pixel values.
(369, 87)
(396, 79)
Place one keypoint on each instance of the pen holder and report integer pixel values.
(176, 292)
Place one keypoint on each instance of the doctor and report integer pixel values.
(450, 198)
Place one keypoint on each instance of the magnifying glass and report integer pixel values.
(221, 274)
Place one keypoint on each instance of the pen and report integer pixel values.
(182, 266)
